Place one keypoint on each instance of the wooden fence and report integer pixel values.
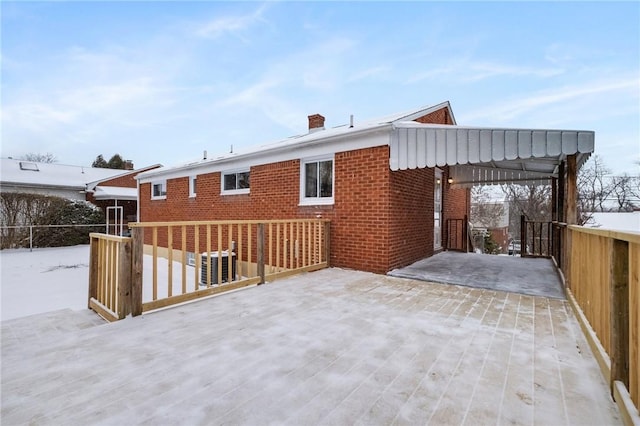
(110, 278)
(175, 262)
(604, 280)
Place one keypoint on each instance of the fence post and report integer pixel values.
(523, 236)
(619, 313)
(327, 243)
(137, 253)
(465, 234)
(260, 253)
(93, 270)
(124, 279)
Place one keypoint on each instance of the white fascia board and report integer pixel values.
(365, 138)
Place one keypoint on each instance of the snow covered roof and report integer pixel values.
(22, 173)
(115, 193)
(615, 221)
(363, 134)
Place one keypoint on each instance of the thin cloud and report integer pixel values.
(470, 72)
(230, 24)
(567, 96)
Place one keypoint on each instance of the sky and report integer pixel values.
(160, 82)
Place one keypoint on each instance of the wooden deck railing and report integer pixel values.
(604, 280)
(110, 275)
(175, 262)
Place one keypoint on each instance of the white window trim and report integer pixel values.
(164, 187)
(234, 191)
(317, 201)
(192, 193)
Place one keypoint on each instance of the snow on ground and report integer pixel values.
(44, 280)
(49, 279)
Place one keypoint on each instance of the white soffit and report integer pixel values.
(486, 155)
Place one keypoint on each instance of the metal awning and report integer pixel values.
(485, 156)
(115, 193)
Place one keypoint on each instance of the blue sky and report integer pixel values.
(159, 82)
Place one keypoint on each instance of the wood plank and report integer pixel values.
(634, 323)
(260, 252)
(208, 256)
(123, 303)
(219, 251)
(155, 262)
(181, 298)
(290, 272)
(183, 240)
(102, 310)
(196, 253)
(230, 276)
(327, 243)
(137, 253)
(619, 313)
(217, 222)
(170, 261)
(94, 260)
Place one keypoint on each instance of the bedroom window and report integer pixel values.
(316, 181)
(236, 182)
(192, 186)
(159, 190)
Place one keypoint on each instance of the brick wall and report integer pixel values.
(411, 221)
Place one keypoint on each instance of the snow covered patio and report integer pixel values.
(523, 275)
(332, 347)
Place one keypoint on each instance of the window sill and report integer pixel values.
(235, 192)
(164, 197)
(310, 202)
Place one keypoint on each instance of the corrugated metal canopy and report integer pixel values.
(485, 156)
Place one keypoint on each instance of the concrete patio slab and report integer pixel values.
(523, 275)
(328, 347)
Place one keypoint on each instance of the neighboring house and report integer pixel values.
(52, 179)
(615, 221)
(117, 191)
(492, 217)
(102, 187)
(389, 186)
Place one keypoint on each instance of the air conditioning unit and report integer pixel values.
(212, 267)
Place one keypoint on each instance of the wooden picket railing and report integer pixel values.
(604, 281)
(110, 275)
(175, 262)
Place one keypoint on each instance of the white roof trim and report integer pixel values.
(487, 155)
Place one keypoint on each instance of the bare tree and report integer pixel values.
(39, 157)
(532, 201)
(593, 187)
(625, 192)
(485, 211)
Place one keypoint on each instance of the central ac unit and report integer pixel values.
(212, 267)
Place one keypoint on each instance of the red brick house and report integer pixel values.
(380, 219)
(389, 186)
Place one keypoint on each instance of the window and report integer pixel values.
(159, 190)
(25, 165)
(192, 186)
(235, 182)
(316, 181)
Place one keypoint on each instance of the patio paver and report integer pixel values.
(329, 347)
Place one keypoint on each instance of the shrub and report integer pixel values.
(33, 209)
